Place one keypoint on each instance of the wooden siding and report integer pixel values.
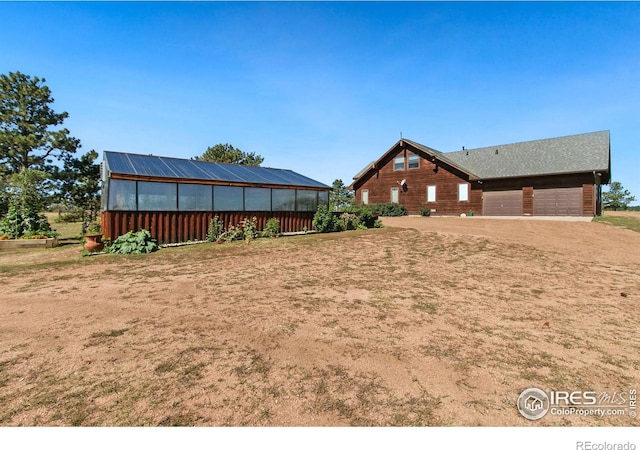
(589, 200)
(172, 227)
(446, 180)
(527, 200)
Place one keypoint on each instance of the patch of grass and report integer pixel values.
(631, 223)
(428, 307)
(108, 334)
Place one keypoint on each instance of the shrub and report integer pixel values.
(271, 228)
(324, 221)
(424, 211)
(246, 230)
(216, 228)
(389, 209)
(29, 223)
(350, 221)
(134, 243)
(249, 229)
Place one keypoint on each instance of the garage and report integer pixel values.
(502, 203)
(557, 202)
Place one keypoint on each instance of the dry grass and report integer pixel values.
(425, 322)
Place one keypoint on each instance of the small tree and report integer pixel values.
(617, 197)
(340, 197)
(227, 153)
(26, 195)
(79, 184)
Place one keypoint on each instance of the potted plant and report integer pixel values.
(93, 237)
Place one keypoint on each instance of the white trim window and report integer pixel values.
(413, 161)
(398, 163)
(463, 192)
(365, 196)
(395, 195)
(431, 193)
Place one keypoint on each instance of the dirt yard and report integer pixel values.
(427, 322)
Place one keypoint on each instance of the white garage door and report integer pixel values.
(502, 203)
(557, 202)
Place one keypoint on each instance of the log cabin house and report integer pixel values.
(557, 176)
(176, 198)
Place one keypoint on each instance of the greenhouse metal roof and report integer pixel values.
(165, 167)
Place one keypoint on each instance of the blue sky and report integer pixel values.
(325, 88)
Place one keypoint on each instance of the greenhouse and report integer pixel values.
(176, 198)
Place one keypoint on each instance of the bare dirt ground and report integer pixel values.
(427, 322)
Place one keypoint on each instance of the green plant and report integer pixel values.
(249, 229)
(271, 228)
(325, 222)
(424, 211)
(91, 228)
(216, 228)
(27, 223)
(134, 243)
(389, 209)
(350, 221)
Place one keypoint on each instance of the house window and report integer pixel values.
(398, 163)
(365, 196)
(431, 193)
(414, 161)
(394, 195)
(463, 192)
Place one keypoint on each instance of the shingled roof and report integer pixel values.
(588, 152)
(570, 154)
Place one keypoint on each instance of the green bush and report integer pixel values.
(216, 228)
(28, 223)
(134, 243)
(389, 209)
(350, 221)
(424, 211)
(249, 229)
(271, 228)
(325, 222)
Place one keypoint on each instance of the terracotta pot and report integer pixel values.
(93, 243)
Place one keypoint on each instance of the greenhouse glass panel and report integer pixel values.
(257, 199)
(283, 199)
(227, 198)
(306, 200)
(195, 197)
(157, 196)
(323, 198)
(122, 195)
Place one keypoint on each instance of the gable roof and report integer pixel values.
(578, 153)
(165, 167)
(586, 152)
